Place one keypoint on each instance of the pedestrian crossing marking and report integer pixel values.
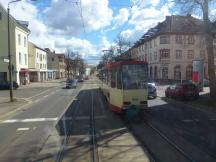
(28, 120)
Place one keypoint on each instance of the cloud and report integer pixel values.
(96, 15)
(121, 18)
(144, 18)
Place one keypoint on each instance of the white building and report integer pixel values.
(37, 63)
(170, 47)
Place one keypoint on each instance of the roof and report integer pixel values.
(38, 47)
(60, 55)
(21, 24)
(175, 24)
(118, 63)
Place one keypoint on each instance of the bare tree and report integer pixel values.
(74, 63)
(202, 6)
(122, 44)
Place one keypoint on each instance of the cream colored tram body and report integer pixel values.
(124, 83)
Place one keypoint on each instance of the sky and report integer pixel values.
(88, 26)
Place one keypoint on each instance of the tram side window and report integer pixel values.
(113, 79)
(119, 79)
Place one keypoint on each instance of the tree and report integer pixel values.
(74, 63)
(202, 6)
(122, 44)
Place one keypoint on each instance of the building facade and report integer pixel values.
(52, 64)
(61, 73)
(18, 48)
(37, 63)
(170, 48)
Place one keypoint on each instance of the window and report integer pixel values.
(155, 55)
(189, 71)
(0, 15)
(165, 54)
(20, 58)
(25, 55)
(178, 54)
(37, 55)
(19, 39)
(113, 79)
(52, 59)
(37, 65)
(177, 72)
(24, 41)
(150, 44)
(155, 72)
(178, 39)
(40, 66)
(165, 73)
(164, 39)
(150, 55)
(40, 57)
(119, 79)
(190, 54)
(190, 39)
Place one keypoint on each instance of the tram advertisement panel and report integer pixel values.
(198, 73)
(134, 76)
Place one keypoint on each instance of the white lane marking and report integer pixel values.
(28, 120)
(22, 129)
(45, 96)
(187, 120)
(10, 121)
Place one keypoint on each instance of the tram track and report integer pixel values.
(156, 140)
(185, 148)
(94, 150)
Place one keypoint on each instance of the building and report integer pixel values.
(61, 73)
(37, 63)
(52, 64)
(18, 48)
(170, 47)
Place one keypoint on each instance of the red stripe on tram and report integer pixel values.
(115, 109)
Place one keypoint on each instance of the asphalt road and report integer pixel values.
(23, 134)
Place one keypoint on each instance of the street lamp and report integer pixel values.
(9, 54)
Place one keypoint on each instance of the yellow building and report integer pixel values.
(37, 63)
(61, 67)
(19, 48)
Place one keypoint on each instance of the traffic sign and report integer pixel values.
(6, 60)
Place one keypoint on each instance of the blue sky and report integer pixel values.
(57, 24)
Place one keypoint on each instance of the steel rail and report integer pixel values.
(93, 132)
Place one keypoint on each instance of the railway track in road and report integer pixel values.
(94, 151)
(190, 151)
(158, 146)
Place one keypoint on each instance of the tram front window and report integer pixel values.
(134, 76)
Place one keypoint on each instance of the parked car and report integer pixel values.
(4, 85)
(182, 91)
(205, 82)
(80, 79)
(152, 91)
(72, 83)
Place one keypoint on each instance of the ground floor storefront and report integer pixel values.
(40, 76)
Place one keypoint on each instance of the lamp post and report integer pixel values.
(9, 53)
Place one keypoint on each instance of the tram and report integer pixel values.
(124, 84)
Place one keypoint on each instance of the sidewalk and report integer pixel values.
(7, 107)
(47, 84)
